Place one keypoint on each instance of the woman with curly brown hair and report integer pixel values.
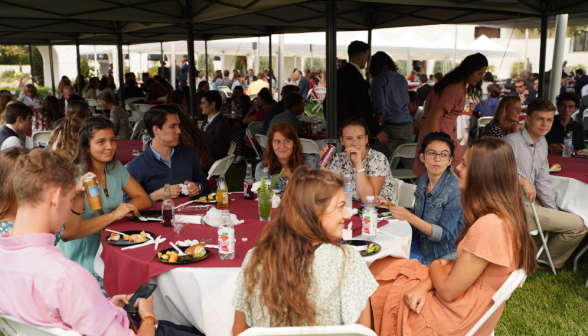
(44, 118)
(64, 139)
(283, 150)
(177, 98)
(295, 276)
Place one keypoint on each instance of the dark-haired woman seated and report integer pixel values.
(437, 214)
(283, 150)
(295, 276)
(96, 157)
(449, 297)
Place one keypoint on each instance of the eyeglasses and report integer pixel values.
(443, 156)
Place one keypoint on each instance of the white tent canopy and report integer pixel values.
(490, 48)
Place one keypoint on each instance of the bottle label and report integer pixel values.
(93, 191)
(245, 189)
(370, 224)
(348, 189)
(225, 198)
(568, 143)
(226, 241)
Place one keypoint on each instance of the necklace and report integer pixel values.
(105, 192)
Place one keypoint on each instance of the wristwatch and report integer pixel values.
(199, 187)
(155, 322)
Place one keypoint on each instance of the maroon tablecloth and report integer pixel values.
(572, 167)
(150, 102)
(124, 150)
(125, 271)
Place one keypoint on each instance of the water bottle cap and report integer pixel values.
(370, 198)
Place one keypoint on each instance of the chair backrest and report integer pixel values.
(406, 195)
(309, 146)
(261, 140)
(341, 330)
(41, 136)
(16, 328)
(142, 107)
(585, 113)
(221, 166)
(318, 90)
(254, 128)
(406, 151)
(137, 115)
(397, 186)
(137, 130)
(516, 279)
(232, 147)
(162, 98)
(128, 102)
(483, 121)
(92, 102)
(252, 95)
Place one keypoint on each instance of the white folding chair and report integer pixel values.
(261, 140)
(142, 107)
(232, 147)
(137, 130)
(406, 151)
(226, 90)
(309, 146)
(397, 186)
(482, 122)
(319, 102)
(15, 327)
(92, 103)
(252, 129)
(221, 166)
(252, 95)
(543, 237)
(340, 330)
(41, 136)
(515, 279)
(406, 195)
(128, 102)
(162, 98)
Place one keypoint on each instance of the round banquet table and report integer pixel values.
(570, 186)
(310, 136)
(124, 150)
(200, 293)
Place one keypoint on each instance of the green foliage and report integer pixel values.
(438, 67)
(264, 64)
(202, 64)
(85, 67)
(43, 90)
(318, 63)
(491, 68)
(240, 64)
(154, 70)
(517, 67)
(576, 67)
(401, 64)
(9, 76)
(37, 67)
(13, 55)
(263, 188)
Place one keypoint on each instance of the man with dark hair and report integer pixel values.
(144, 78)
(226, 81)
(353, 98)
(215, 127)
(165, 161)
(581, 80)
(164, 72)
(521, 90)
(567, 103)
(437, 77)
(294, 104)
(18, 122)
(424, 89)
(530, 148)
(278, 107)
(184, 73)
(132, 90)
(303, 84)
(240, 82)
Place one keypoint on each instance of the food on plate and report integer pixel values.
(210, 197)
(197, 251)
(114, 237)
(556, 167)
(142, 234)
(372, 249)
(173, 257)
(127, 237)
(138, 238)
(159, 254)
(164, 257)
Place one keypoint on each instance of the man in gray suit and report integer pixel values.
(303, 84)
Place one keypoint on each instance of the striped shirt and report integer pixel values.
(532, 164)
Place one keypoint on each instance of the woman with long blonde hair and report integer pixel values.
(506, 118)
(449, 297)
(295, 276)
(64, 139)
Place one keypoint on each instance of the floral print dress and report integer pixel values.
(375, 164)
(40, 123)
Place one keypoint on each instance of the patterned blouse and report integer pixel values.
(342, 285)
(40, 122)
(493, 130)
(120, 118)
(375, 164)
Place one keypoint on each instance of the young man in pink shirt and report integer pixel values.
(42, 287)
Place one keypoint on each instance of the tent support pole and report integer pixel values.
(542, 55)
(561, 26)
(192, 69)
(331, 98)
(51, 67)
(121, 68)
(31, 62)
(270, 64)
(206, 59)
(162, 62)
(367, 74)
(78, 64)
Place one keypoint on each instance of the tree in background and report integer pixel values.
(240, 63)
(317, 63)
(576, 67)
(202, 64)
(401, 64)
(264, 64)
(37, 68)
(87, 69)
(13, 55)
(517, 67)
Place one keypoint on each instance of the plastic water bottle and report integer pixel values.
(266, 176)
(370, 220)
(568, 149)
(145, 139)
(226, 237)
(348, 192)
(314, 128)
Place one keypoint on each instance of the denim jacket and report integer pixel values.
(442, 209)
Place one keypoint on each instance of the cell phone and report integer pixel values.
(143, 292)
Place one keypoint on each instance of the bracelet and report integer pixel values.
(361, 170)
(155, 322)
(77, 213)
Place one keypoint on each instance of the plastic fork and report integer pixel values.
(180, 253)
